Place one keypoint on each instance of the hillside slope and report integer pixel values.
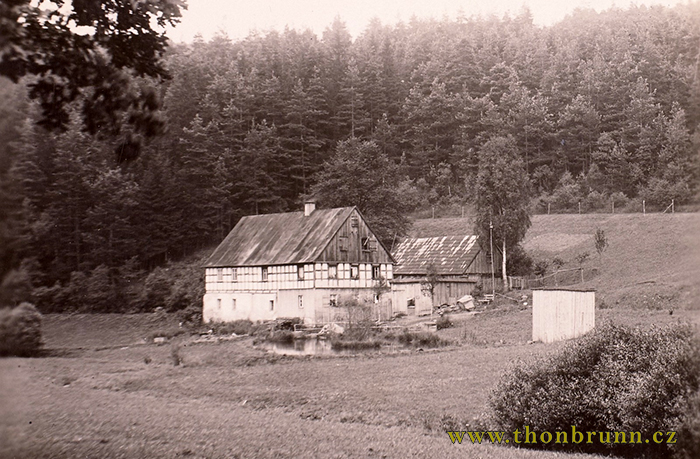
(652, 261)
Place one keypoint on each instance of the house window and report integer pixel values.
(234, 275)
(233, 304)
(218, 303)
(354, 271)
(301, 301)
(343, 243)
(354, 221)
(264, 274)
(411, 303)
(219, 274)
(376, 272)
(333, 302)
(272, 305)
(332, 271)
(300, 272)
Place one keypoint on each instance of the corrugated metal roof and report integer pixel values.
(449, 254)
(278, 239)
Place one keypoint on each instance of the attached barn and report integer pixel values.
(459, 263)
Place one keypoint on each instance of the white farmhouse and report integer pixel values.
(296, 264)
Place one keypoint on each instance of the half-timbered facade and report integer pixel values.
(296, 264)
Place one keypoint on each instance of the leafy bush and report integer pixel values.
(519, 263)
(614, 379)
(20, 330)
(239, 327)
(422, 339)
(282, 337)
(443, 322)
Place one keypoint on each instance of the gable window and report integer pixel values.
(376, 272)
(369, 244)
(219, 274)
(234, 274)
(354, 221)
(332, 271)
(354, 271)
(333, 302)
(264, 274)
(301, 301)
(300, 272)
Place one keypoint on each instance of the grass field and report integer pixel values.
(103, 389)
(652, 261)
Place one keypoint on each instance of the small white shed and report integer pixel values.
(559, 314)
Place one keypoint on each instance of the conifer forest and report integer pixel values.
(597, 107)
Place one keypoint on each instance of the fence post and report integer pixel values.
(612, 201)
(673, 206)
(644, 206)
(548, 206)
(433, 211)
(579, 207)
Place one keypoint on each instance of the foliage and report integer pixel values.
(360, 174)
(443, 322)
(89, 51)
(614, 379)
(594, 107)
(540, 268)
(422, 339)
(359, 317)
(519, 262)
(502, 196)
(20, 330)
(239, 327)
(581, 258)
(430, 282)
(601, 241)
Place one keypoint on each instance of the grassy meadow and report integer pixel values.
(104, 389)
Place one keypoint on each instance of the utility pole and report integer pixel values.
(493, 276)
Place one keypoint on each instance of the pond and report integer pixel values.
(314, 347)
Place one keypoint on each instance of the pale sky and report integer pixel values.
(237, 18)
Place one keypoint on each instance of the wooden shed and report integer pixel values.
(559, 314)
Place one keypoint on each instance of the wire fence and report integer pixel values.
(560, 278)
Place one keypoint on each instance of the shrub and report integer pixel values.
(20, 330)
(444, 322)
(422, 339)
(239, 327)
(282, 337)
(614, 379)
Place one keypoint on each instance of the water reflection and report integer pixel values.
(302, 347)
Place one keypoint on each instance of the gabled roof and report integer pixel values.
(451, 255)
(279, 239)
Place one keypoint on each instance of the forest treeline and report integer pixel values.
(600, 106)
